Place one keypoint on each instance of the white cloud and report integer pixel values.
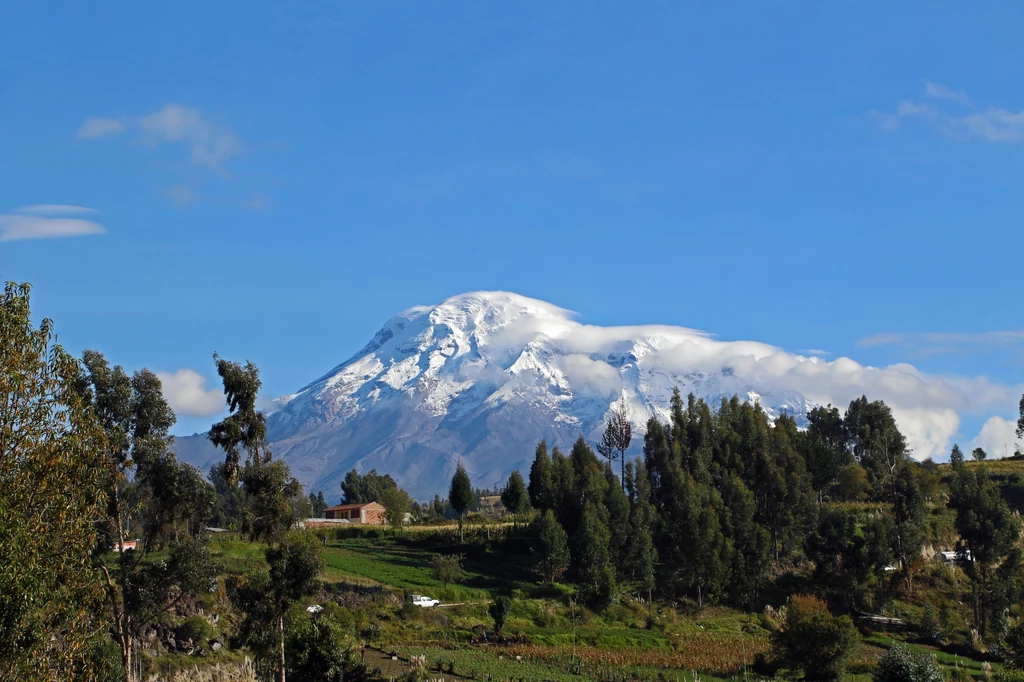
(940, 91)
(16, 227)
(998, 438)
(94, 128)
(186, 393)
(993, 123)
(602, 361)
(54, 209)
(210, 145)
(592, 376)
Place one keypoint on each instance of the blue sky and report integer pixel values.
(275, 180)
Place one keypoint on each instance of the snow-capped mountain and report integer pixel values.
(482, 377)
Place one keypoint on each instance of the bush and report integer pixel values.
(899, 664)
(317, 649)
(447, 568)
(1008, 675)
(813, 641)
(195, 628)
(499, 610)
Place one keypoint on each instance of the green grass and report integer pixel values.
(407, 567)
(945, 658)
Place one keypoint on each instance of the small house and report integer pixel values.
(370, 514)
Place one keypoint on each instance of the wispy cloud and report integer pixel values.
(187, 394)
(931, 343)
(54, 209)
(952, 112)
(94, 128)
(940, 91)
(180, 195)
(209, 144)
(40, 221)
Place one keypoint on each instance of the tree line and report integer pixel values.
(721, 498)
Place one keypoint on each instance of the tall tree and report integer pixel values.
(269, 485)
(541, 484)
(266, 593)
(371, 487)
(824, 447)
(592, 566)
(515, 498)
(988, 531)
(640, 554)
(245, 427)
(750, 542)
(552, 547)
(617, 505)
(461, 496)
(147, 493)
(51, 462)
(616, 438)
(397, 504)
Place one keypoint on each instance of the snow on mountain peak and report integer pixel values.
(482, 376)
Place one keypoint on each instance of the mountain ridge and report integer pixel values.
(482, 376)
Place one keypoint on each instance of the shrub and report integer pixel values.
(317, 649)
(929, 626)
(812, 640)
(499, 610)
(447, 568)
(195, 628)
(899, 664)
(1008, 675)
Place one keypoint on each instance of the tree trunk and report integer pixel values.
(126, 656)
(461, 538)
(280, 635)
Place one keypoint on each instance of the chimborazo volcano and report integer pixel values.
(483, 376)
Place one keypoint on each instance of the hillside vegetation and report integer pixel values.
(737, 545)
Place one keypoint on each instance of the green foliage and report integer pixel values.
(146, 487)
(987, 529)
(592, 568)
(448, 568)
(460, 495)
(195, 628)
(929, 626)
(1013, 646)
(397, 504)
(514, 496)
(852, 484)
(245, 428)
(266, 592)
(899, 664)
(499, 611)
(317, 650)
(1008, 675)
(552, 548)
(616, 438)
(269, 489)
(812, 640)
(51, 464)
(541, 488)
(372, 487)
